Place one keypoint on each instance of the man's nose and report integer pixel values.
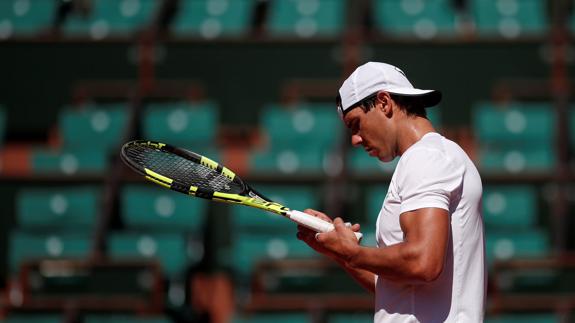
(356, 140)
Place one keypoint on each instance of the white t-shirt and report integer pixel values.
(436, 172)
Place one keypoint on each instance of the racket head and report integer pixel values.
(181, 170)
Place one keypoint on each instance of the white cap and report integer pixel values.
(372, 77)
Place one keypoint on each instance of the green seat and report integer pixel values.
(33, 318)
(293, 197)
(514, 122)
(58, 208)
(95, 126)
(151, 208)
(302, 160)
(192, 126)
(272, 317)
(509, 18)
(27, 246)
(250, 248)
(523, 318)
(515, 138)
(350, 318)
(213, 18)
(311, 125)
(414, 18)
(172, 251)
(507, 244)
(359, 162)
(25, 17)
(111, 18)
(68, 162)
(305, 18)
(510, 206)
(375, 197)
(118, 318)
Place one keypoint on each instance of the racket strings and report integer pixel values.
(182, 170)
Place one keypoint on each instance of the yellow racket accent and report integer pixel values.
(209, 163)
(193, 190)
(158, 176)
(228, 173)
(251, 201)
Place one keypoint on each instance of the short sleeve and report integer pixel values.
(428, 178)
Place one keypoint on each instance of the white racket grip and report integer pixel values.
(314, 223)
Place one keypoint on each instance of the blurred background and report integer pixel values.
(251, 83)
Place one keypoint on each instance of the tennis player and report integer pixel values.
(429, 263)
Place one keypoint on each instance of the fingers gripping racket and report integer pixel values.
(189, 173)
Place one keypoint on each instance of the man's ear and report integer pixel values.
(384, 99)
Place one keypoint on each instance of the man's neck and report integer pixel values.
(411, 130)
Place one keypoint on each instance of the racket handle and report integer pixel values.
(314, 223)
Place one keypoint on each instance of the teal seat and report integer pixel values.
(350, 318)
(171, 250)
(375, 197)
(359, 162)
(507, 244)
(27, 246)
(33, 318)
(515, 138)
(510, 19)
(272, 317)
(59, 208)
(192, 126)
(523, 318)
(68, 162)
(513, 207)
(150, 208)
(111, 18)
(250, 248)
(515, 122)
(211, 19)
(118, 318)
(25, 17)
(311, 125)
(293, 197)
(305, 19)
(95, 126)
(413, 18)
(434, 116)
(302, 160)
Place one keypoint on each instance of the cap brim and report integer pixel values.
(429, 98)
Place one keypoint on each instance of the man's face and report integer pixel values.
(368, 129)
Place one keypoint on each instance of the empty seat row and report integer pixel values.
(297, 18)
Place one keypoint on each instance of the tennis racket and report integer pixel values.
(193, 174)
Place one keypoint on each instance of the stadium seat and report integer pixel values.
(182, 124)
(58, 208)
(415, 18)
(211, 19)
(504, 245)
(510, 18)
(512, 207)
(96, 126)
(172, 251)
(149, 208)
(117, 318)
(25, 17)
(313, 124)
(272, 317)
(521, 318)
(306, 18)
(33, 318)
(303, 160)
(111, 18)
(68, 162)
(375, 197)
(27, 246)
(248, 219)
(250, 248)
(515, 138)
